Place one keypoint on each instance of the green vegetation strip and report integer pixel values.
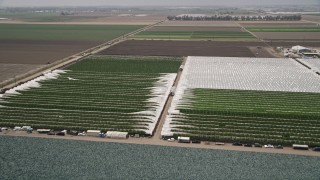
(251, 116)
(103, 94)
(283, 29)
(193, 35)
(64, 32)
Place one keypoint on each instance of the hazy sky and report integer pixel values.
(26, 3)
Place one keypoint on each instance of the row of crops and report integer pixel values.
(101, 92)
(246, 99)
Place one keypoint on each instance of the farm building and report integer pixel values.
(117, 135)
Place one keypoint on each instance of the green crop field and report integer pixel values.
(101, 92)
(283, 29)
(194, 35)
(40, 158)
(250, 116)
(44, 17)
(64, 32)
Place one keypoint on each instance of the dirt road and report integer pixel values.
(159, 142)
(157, 134)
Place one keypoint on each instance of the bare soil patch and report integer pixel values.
(312, 18)
(39, 52)
(184, 48)
(196, 28)
(289, 35)
(200, 23)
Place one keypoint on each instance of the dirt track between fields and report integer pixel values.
(185, 48)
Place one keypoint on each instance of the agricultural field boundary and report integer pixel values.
(193, 102)
(73, 58)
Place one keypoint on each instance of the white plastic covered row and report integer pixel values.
(159, 93)
(34, 83)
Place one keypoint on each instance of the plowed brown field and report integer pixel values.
(184, 48)
(39, 52)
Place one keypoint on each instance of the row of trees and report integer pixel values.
(235, 18)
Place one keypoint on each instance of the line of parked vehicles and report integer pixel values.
(257, 145)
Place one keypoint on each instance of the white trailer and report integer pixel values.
(183, 139)
(117, 135)
(300, 146)
(25, 128)
(94, 133)
(43, 130)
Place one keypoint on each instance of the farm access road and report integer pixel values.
(159, 142)
(71, 59)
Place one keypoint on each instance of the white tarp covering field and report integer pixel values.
(314, 64)
(266, 74)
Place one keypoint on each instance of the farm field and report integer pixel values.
(184, 48)
(195, 28)
(51, 159)
(287, 33)
(43, 44)
(10, 70)
(249, 116)
(284, 29)
(200, 23)
(195, 33)
(289, 36)
(97, 33)
(246, 99)
(81, 18)
(312, 18)
(101, 92)
(39, 52)
(281, 24)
